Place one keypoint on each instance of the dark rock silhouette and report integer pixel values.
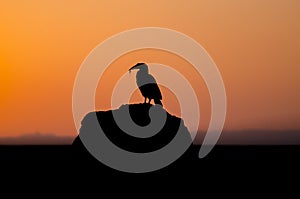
(140, 115)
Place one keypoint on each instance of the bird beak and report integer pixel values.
(133, 67)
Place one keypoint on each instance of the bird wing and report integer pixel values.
(154, 87)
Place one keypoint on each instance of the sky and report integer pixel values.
(255, 45)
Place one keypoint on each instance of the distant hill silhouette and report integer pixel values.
(255, 137)
(140, 115)
(37, 139)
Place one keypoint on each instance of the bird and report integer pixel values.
(147, 84)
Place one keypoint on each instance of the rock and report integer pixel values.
(141, 114)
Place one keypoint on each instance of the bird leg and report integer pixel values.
(145, 100)
(150, 101)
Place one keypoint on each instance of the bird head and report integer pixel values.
(140, 66)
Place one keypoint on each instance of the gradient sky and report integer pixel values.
(255, 44)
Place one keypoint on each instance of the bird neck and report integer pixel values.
(143, 71)
(141, 77)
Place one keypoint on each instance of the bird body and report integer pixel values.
(147, 84)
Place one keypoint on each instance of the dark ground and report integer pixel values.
(243, 160)
(247, 170)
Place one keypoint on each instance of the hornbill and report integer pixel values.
(147, 84)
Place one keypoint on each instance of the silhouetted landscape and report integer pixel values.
(224, 160)
(238, 137)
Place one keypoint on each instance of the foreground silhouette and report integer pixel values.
(140, 115)
(147, 84)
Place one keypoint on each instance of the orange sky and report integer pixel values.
(255, 44)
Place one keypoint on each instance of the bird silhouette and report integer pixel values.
(147, 84)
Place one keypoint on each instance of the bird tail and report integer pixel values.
(157, 101)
